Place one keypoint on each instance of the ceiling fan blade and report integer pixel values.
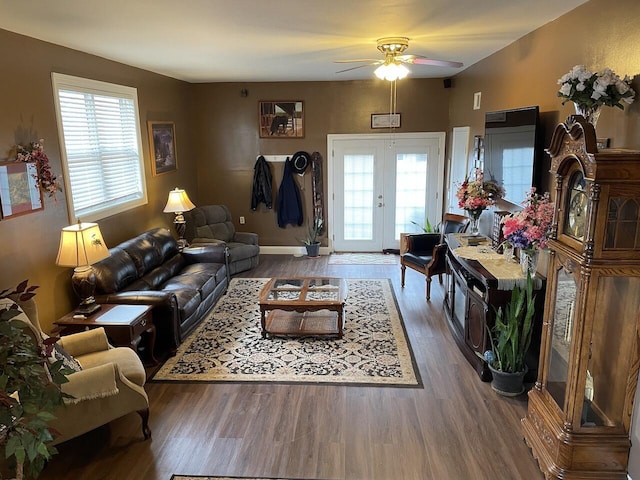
(420, 60)
(359, 66)
(358, 60)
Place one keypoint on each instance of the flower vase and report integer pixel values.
(590, 114)
(529, 261)
(474, 215)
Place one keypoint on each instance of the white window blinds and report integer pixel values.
(100, 134)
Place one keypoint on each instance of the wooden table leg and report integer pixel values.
(263, 322)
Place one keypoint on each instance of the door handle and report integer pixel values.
(381, 205)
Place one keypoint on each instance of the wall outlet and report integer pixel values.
(241, 220)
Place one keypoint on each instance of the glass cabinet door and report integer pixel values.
(561, 337)
(613, 339)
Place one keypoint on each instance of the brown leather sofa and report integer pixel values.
(182, 285)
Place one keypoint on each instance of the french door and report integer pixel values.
(379, 184)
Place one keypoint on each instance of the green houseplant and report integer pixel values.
(28, 395)
(510, 339)
(313, 231)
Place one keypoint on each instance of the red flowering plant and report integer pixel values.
(34, 153)
(476, 195)
(530, 228)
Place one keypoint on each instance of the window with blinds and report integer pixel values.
(101, 146)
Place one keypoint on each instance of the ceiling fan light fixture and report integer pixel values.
(391, 71)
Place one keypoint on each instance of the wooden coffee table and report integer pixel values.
(301, 306)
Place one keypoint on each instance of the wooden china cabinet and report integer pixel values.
(580, 410)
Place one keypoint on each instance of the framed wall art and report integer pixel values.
(284, 119)
(385, 120)
(19, 189)
(162, 144)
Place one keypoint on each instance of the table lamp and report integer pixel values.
(178, 203)
(81, 245)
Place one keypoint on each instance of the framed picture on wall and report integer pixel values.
(385, 120)
(162, 144)
(284, 119)
(19, 189)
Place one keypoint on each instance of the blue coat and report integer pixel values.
(289, 200)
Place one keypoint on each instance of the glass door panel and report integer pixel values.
(562, 336)
(359, 193)
(612, 344)
(411, 192)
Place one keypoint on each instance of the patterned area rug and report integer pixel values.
(228, 346)
(182, 477)
(363, 259)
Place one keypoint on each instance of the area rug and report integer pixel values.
(191, 477)
(228, 346)
(362, 259)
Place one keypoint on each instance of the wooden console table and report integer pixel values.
(124, 325)
(472, 296)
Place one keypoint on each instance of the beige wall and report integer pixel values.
(227, 126)
(30, 242)
(526, 72)
(217, 137)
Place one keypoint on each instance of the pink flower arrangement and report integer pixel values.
(34, 153)
(476, 195)
(530, 228)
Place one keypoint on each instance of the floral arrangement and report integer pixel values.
(588, 89)
(476, 195)
(529, 228)
(34, 152)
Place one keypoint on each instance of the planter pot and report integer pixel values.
(313, 250)
(508, 384)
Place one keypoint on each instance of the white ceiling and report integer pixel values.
(279, 40)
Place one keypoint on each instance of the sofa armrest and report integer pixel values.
(246, 237)
(206, 253)
(207, 241)
(91, 383)
(82, 343)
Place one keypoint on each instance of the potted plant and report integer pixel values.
(28, 396)
(510, 338)
(311, 243)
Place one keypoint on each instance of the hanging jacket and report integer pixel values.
(262, 190)
(289, 200)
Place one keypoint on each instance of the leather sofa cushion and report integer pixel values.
(188, 298)
(144, 252)
(115, 272)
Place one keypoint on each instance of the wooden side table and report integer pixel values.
(125, 325)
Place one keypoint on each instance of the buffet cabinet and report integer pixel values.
(471, 300)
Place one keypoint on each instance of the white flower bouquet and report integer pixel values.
(589, 89)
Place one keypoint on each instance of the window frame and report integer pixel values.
(84, 85)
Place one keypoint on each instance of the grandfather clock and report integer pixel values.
(580, 409)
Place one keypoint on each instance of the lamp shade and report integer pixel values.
(81, 245)
(178, 202)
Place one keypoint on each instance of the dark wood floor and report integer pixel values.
(455, 428)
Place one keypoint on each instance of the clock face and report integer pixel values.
(577, 208)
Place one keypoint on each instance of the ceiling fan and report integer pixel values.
(391, 67)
